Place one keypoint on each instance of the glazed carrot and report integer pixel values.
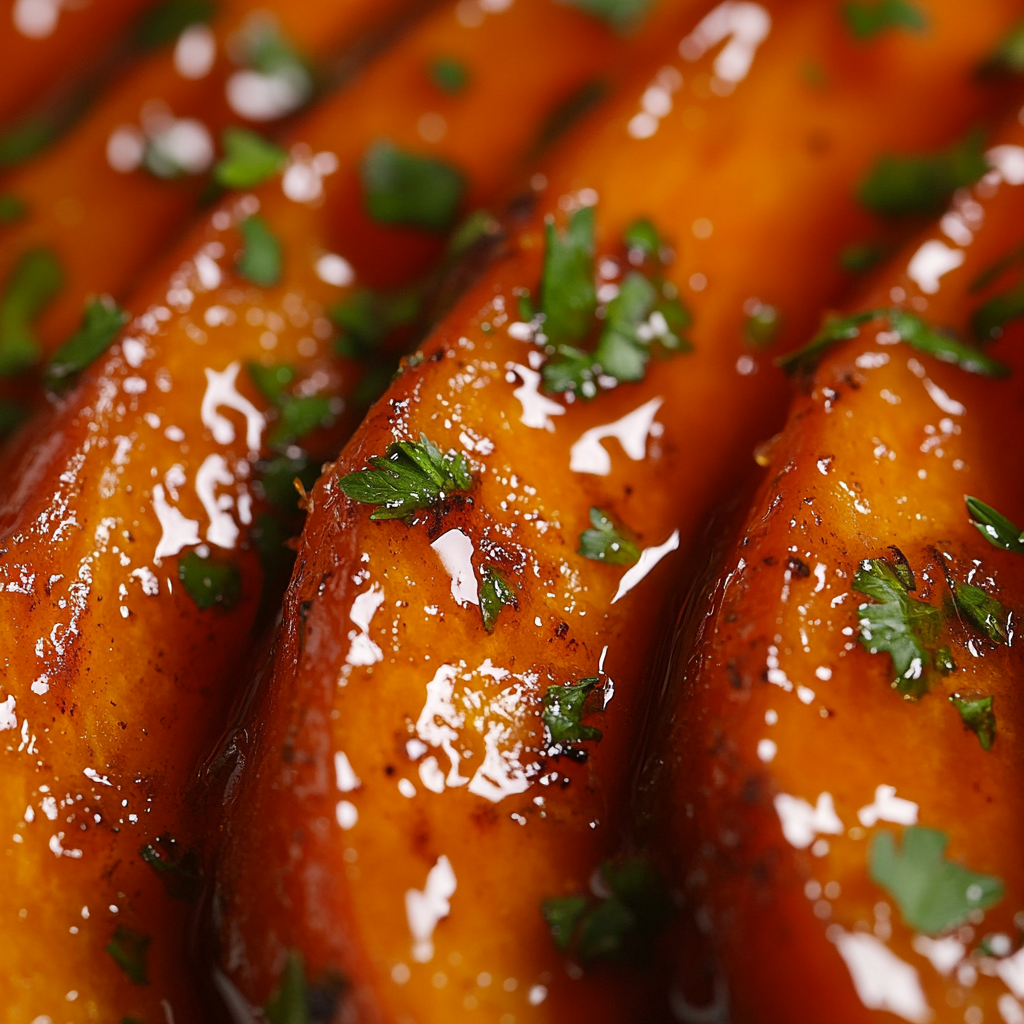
(133, 523)
(411, 797)
(110, 196)
(41, 43)
(847, 835)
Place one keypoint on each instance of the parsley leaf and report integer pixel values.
(410, 476)
(978, 715)
(249, 159)
(1008, 56)
(860, 257)
(898, 625)
(261, 253)
(403, 188)
(568, 296)
(922, 184)
(164, 23)
(288, 1004)
(296, 416)
(994, 526)
(277, 476)
(620, 14)
(130, 950)
(992, 316)
(562, 914)
(563, 713)
(933, 894)
(36, 278)
(449, 74)
(622, 351)
(642, 237)
(102, 320)
(23, 140)
(367, 317)
(180, 872)
(11, 208)
(604, 543)
(761, 327)
(495, 593)
(210, 583)
(985, 613)
(866, 20)
(272, 380)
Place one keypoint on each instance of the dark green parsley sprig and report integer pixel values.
(563, 715)
(401, 187)
(179, 871)
(866, 20)
(102, 319)
(985, 613)
(495, 593)
(33, 283)
(210, 583)
(978, 714)
(260, 261)
(605, 542)
(409, 477)
(989, 320)
(249, 159)
(297, 416)
(130, 951)
(994, 526)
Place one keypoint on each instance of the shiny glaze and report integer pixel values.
(374, 651)
(109, 665)
(773, 694)
(106, 225)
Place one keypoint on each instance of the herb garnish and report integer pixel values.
(762, 325)
(978, 715)
(260, 261)
(860, 256)
(994, 526)
(130, 950)
(210, 583)
(102, 320)
(898, 625)
(922, 184)
(36, 278)
(410, 476)
(288, 1003)
(249, 159)
(403, 188)
(296, 416)
(567, 293)
(495, 593)
(866, 20)
(180, 872)
(449, 74)
(165, 22)
(11, 209)
(563, 714)
(911, 328)
(620, 14)
(367, 317)
(21, 141)
(1008, 56)
(992, 316)
(605, 543)
(985, 613)
(622, 924)
(933, 894)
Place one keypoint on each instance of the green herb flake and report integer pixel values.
(210, 583)
(24, 140)
(866, 20)
(495, 593)
(130, 950)
(985, 613)
(300, 416)
(944, 661)
(249, 159)
(11, 208)
(403, 188)
(620, 14)
(563, 713)
(179, 871)
(897, 624)
(989, 320)
(562, 914)
(604, 542)
(449, 74)
(933, 894)
(272, 380)
(994, 526)
(642, 238)
(288, 1005)
(165, 22)
(568, 296)
(860, 256)
(260, 261)
(102, 320)
(475, 226)
(1008, 56)
(365, 318)
(978, 715)
(35, 280)
(761, 326)
(410, 476)
(899, 185)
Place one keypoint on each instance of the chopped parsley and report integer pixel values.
(563, 714)
(495, 593)
(260, 261)
(567, 292)
(762, 325)
(365, 318)
(866, 20)
(1008, 56)
(288, 1004)
(410, 476)
(210, 584)
(897, 624)
(403, 188)
(449, 74)
(917, 333)
(977, 714)
(860, 256)
(994, 526)
(249, 159)
(605, 543)
(166, 21)
(922, 184)
(36, 278)
(991, 317)
(296, 416)
(11, 208)
(179, 871)
(24, 140)
(620, 14)
(642, 238)
(618, 926)
(985, 613)
(130, 950)
(933, 894)
(102, 320)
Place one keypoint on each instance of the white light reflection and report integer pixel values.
(424, 908)
(588, 455)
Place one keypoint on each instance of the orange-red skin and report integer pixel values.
(290, 877)
(844, 483)
(141, 699)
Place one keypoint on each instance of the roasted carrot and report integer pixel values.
(839, 772)
(412, 803)
(130, 550)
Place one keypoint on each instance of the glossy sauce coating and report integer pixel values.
(786, 747)
(399, 819)
(115, 683)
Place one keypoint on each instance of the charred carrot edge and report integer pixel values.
(424, 771)
(135, 520)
